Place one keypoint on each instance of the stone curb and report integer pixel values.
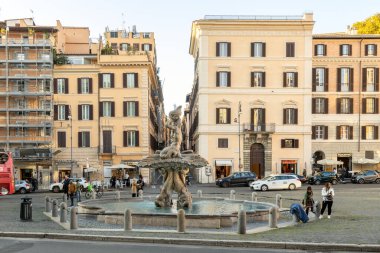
(201, 242)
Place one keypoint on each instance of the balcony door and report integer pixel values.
(258, 119)
(107, 141)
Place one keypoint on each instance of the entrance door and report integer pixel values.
(258, 159)
(107, 141)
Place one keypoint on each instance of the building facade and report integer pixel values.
(249, 108)
(345, 103)
(26, 118)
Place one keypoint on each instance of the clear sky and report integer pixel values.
(171, 20)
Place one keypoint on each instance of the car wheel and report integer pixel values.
(334, 182)
(361, 181)
(22, 190)
(377, 181)
(225, 184)
(264, 188)
(56, 189)
(317, 182)
(292, 187)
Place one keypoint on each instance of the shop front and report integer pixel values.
(289, 166)
(223, 168)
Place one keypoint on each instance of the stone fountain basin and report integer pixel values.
(204, 213)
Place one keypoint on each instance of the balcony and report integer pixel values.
(32, 154)
(107, 150)
(25, 42)
(26, 139)
(259, 128)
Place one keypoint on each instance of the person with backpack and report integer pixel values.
(72, 191)
(328, 200)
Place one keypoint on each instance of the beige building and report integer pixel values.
(345, 103)
(249, 107)
(107, 105)
(26, 120)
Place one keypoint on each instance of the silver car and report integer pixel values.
(22, 186)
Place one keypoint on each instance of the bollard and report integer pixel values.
(63, 210)
(141, 194)
(199, 193)
(47, 204)
(181, 220)
(74, 218)
(317, 208)
(242, 222)
(232, 194)
(254, 196)
(127, 220)
(54, 211)
(93, 194)
(279, 200)
(117, 194)
(64, 198)
(273, 217)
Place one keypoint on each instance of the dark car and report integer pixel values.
(367, 176)
(301, 178)
(237, 179)
(323, 177)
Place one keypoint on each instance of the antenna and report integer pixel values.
(32, 12)
(123, 19)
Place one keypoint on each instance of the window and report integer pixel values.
(344, 105)
(61, 86)
(344, 132)
(370, 105)
(320, 50)
(223, 49)
(290, 116)
(147, 47)
(131, 139)
(223, 79)
(222, 143)
(61, 112)
(124, 46)
(21, 87)
(290, 79)
(320, 79)
(258, 49)
(107, 109)
(131, 108)
(320, 105)
(257, 79)
(289, 143)
(20, 56)
(85, 111)
(114, 34)
(61, 139)
(136, 46)
(370, 79)
(345, 78)
(84, 85)
(345, 50)
(114, 46)
(290, 49)
(130, 80)
(146, 35)
(84, 139)
(223, 116)
(106, 83)
(320, 132)
(371, 50)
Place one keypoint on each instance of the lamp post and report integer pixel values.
(239, 112)
(71, 139)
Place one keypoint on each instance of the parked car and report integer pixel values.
(367, 176)
(277, 182)
(58, 187)
(237, 179)
(323, 177)
(300, 177)
(22, 186)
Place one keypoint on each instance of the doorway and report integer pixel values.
(258, 160)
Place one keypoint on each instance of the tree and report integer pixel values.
(370, 25)
(59, 58)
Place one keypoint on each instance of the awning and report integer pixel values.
(90, 170)
(119, 166)
(223, 162)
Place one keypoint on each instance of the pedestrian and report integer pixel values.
(328, 199)
(308, 201)
(66, 183)
(304, 172)
(78, 191)
(126, 179)
(140, 183)
(134, 188)
(72, 191)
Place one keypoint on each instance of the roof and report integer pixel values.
(344, 35)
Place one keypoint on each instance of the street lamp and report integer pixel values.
(71, 139)
(239, 112)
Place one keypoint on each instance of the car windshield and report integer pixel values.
(360, 173)
(267, 178)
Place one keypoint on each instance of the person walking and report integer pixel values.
(134, 188)
(78, 186)
(66, 183)
(72, 191)
(328, 199)
(308, 201)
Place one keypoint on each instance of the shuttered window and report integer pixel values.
(130, 80)
(289, 143)
(61, 139)
(222, 142)
(84, 139)
(290, 49)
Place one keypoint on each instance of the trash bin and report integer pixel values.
(26, 209)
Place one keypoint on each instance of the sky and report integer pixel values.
(171, 21)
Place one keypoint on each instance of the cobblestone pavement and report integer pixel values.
(355, 218)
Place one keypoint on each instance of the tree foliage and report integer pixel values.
(370, 25)
(59, 58)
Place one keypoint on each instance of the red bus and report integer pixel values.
(7, 182)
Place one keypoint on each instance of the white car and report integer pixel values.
(58, 187)
(277, 182)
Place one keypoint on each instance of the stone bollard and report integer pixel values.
(47, 204)
(232, 194)
(74, 218)
(64, 198)
(242, 222)
(254, 196)
(93, 194)
(181, 221)
(54, 211)
(117, 195)
(279, 200)
(127, 220)
(199, 193)
(317, 208)
(273, 217)
(63, 210)
(140, 194)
